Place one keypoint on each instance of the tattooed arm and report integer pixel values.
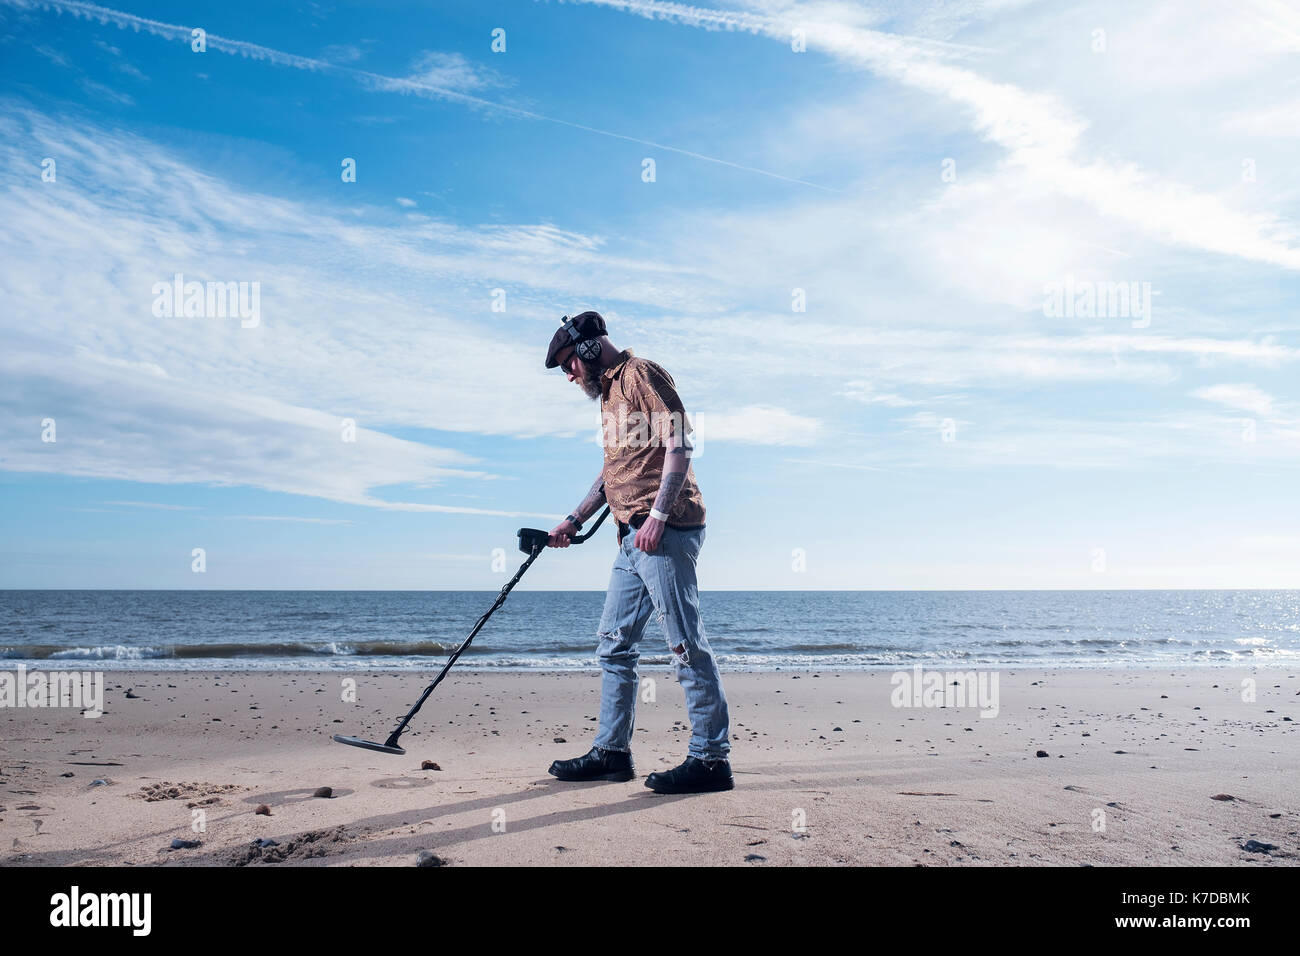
(677, 458)
(594, 499)
(561, 533)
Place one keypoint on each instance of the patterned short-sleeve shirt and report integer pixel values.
(639, 409)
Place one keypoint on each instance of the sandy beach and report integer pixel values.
(1142, 767)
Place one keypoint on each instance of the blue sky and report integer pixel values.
(924, 173)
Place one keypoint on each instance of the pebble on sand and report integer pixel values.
(429, 765)
(1042, 753)
(428, 859)
(263, 809)
(179, 844)
(323, 792)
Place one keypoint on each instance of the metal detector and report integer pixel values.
(531, 543)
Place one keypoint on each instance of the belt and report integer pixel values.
(639, 519)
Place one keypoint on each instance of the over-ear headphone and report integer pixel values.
(588, 349)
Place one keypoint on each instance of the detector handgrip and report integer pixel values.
(534, 539)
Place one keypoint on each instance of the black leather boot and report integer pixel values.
(693, 776)
(596, 764)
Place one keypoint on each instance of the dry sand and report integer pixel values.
(1154, 754)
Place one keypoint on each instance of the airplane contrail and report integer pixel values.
(374, 81)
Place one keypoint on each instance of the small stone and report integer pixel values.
(263, 809)
(1223, 796)
(179, 844)
(323, 792)
(429, 765)
(560, 740)
(265, 842)
(428, 859)
(755, 858)
(1252, 846)
(99, 783)
(68, 774)
(131, 695)
(1042, 753)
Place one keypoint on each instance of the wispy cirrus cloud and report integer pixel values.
(203, 400)
(1040, 134)
(866, 393)
(428, 82)
(436, 68)
(1243, 396)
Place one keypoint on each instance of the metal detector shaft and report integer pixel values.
(536, 547)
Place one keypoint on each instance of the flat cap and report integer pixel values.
(580, 328)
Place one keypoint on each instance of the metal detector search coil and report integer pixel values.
(532, 542)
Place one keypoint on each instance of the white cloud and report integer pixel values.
(451, 71)
(1246, 397)
(341, 53)
(1280, 120)
(755, 425)
(914, 287)
(1040, 134)
(377, 82)
(866, 393)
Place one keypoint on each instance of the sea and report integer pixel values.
(556, 630)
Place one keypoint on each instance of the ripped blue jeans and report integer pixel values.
(662, 582)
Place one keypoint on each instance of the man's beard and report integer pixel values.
(591, 386)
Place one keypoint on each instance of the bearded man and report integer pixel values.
(649, 485)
